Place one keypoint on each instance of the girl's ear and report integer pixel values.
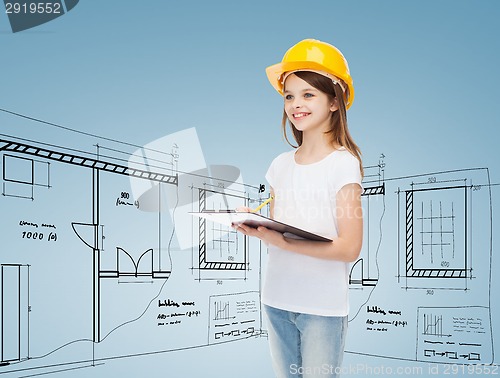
(334, 105)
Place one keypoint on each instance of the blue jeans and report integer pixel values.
(304, 345)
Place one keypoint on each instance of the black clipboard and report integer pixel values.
(229, 217)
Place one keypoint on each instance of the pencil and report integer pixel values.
(262, 204)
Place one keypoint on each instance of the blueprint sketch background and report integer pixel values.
(426, 85)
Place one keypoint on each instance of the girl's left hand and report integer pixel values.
(265, 234)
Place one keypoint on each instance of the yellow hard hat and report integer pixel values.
(313, 55)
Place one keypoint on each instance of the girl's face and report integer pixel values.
(306, 107)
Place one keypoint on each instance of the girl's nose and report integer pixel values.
(297, 103)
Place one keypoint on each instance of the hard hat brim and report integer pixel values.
(275, 72)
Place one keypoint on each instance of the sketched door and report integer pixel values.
(13, 313)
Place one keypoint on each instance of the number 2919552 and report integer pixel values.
(32, 8)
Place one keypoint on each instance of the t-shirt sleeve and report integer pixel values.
(347, 172)
(276, 167)
(270, 174)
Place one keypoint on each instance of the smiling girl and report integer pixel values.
(316, 187)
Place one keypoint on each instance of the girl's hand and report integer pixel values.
(266, 235)
(243, 209)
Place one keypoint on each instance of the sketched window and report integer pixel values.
(18, 169)
(21, 174)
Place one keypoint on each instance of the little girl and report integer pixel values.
(316, 187)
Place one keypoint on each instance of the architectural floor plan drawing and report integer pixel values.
(91, 259)
(434, 266)
(101, 259)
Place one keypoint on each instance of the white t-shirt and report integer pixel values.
(305, 197)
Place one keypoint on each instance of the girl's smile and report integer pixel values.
(299, 115)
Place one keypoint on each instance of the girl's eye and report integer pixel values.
(288, 97)
(308, 95)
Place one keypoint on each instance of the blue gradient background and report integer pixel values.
(425, 73)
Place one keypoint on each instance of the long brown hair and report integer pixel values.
(339, 131)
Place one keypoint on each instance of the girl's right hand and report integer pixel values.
(244, 209)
